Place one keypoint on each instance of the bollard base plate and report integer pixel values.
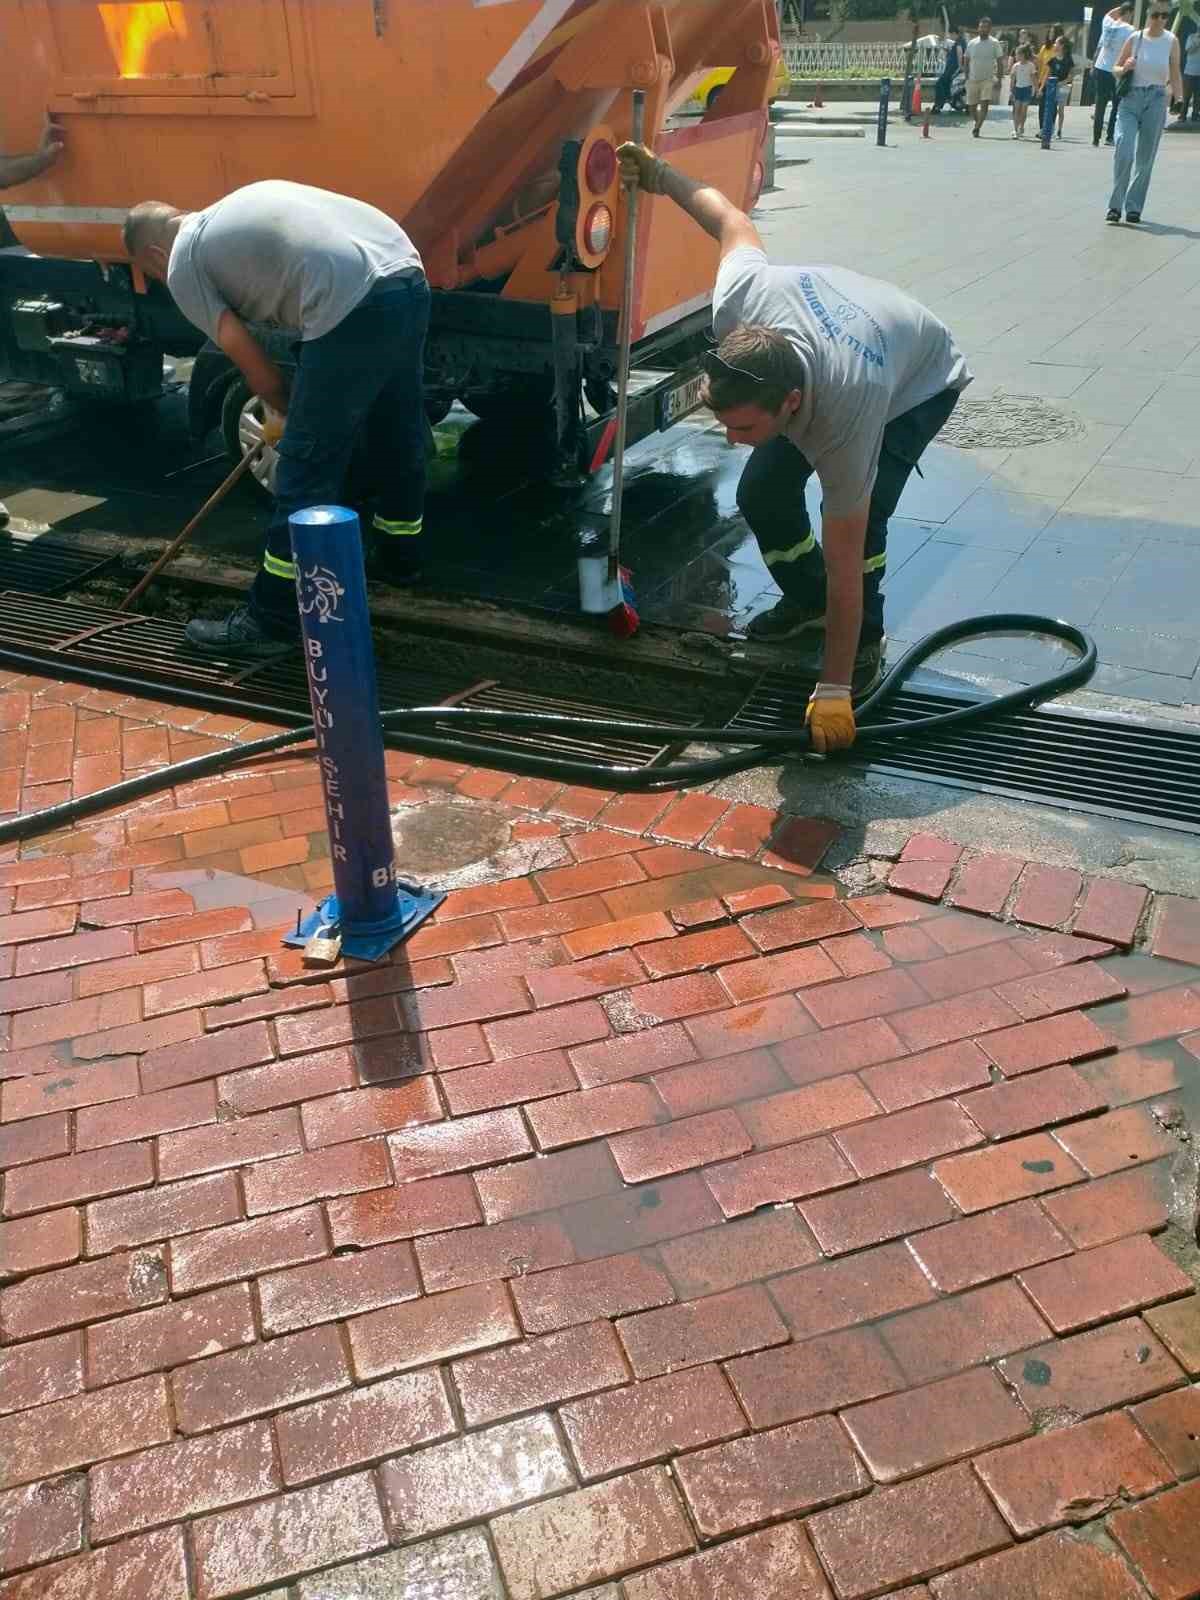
(369, 941)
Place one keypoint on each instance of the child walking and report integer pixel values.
(1024, 75)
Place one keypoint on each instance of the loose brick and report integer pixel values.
(591, 878)
(695, 951)
(798, 844)
(1037, 1100)
(48, 1092)
(799, 1113)
(789, 1173)
(1071, 1474)
(284, 1083)
(747, 1027)
(153, 1564)
(32, 1243)
(839, 1294)
(743, 832)
(648, 1421)
(886, 910)
(612, 1287)
(316, 1175)
(75, 1018)
(546, 1182)
(239, 1143)
(631, 1055)
(595, 1533)
(138, 1037)
(597, 975)
(134, 909)
(74, 1432)
(1132, 1075)
(640, 1217)
(775, 1564)
(358, 1112)
(990, 1245)
(246, 1248)
(370, 1421)
(933, 1341)
(1093, 1371)
(1046, 896)
(873, 1212)
(783, 973)
(930, 847)
(796, 924)
(944, 1021)
(649, 927)
(906, 1531)
(1119, 1139)
(692, 1142)
(737, 1253)
(1110, 1208)
(468, 1479)
(82, 1293)
(506, 1083)
(28, 927)
(928, 1075)
(435, 1328)
(1162, 1538)
(41, 1370)
(790, 1469)
(823, 1374)
(377, 1216)
(1172, 1424)
(901, 1435)
(274, 1540)
(1177, 934)
(1071, 1037)
(855, 955)
(500, 1250)
(1086, 983)
(572, 1118)
(245, 1383)
(104, 977)
(689, 819)
(182, 1479)
(536, 921)
(339, 1287)
(189, 1106)
(191, 929)
(907, 1138)
(170, 1335)
(82, 1177)
(710, 1085)
(984, 1178)
(1098, 1285)
(210, 1057)
(559, 1366)
(1178, 1328)
(837, 1050)
(925, 880)
(669, 999)
(455, 1146)
(40, 1521)
(711, 1329)
(1057, 1564)
(559, 1027)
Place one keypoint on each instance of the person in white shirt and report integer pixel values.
(1024, 77)
(1117, 27)
(985, 58)
(1152, 59)
(1191, 75)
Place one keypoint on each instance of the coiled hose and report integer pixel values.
(756, 747)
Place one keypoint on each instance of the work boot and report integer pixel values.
(869, 666)
(784, 620)
(394, 568)
(240, 634)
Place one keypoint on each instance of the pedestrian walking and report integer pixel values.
(1116, 28)
(1059, 71)
(1191, 76)
(985, 58)
(1150, 60)
(1024, 76)
(956, 63)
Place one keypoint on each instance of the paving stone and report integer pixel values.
(41, 1370)
(872, 1212)
(1063, 989)
(497, 1250)
(87, 1176)
(929, 1075)
(747, 1251)
(926, 880)
(775, 1564)
(985, 883)
(559, 1366)
(1178, 1326)
(1144, 1018)
(1090, 1372)
(991, 1244)
(641, 1216)
(901, 1435)
(54, 1438)
(40, 1521)
(1162, 1538)
(629, 1056)
(981, 1179)
(457, 1567)
(778, 974)
(859, 1288)
(170, 1335)
(907, 1138)
(1177, 931)
(1072, 1474)
(1058, 1565)
(596, 1533)
(823, 1374)
(945, 977)
(1101, 1284)
(931, 1341)
(800, 1113)
(629, 1427)
(709, 1085)
(711, 1329)
(611, 1287)
(1037, 1100)
(456, 1145)
(434, 1328)
(83, 1293)
(907, 1531)
(786, 1470)
(29, 1244)
(789, 1172)
(520, 1188)
(1046, 896)
(245, 1383)
(338, 1287)
(886, 910)
(154, 1564)
(1172, 1424)
(406, 1211)
(168, 1211)
(242, 1249)
(1133, 1075)
(944, 1021)
(182, 1479)
(838, 1050)
(799, 924)
(468, 1479)
(296, 1179)
(1117, 1140)
(369, 1421)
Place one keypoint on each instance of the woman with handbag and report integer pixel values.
(1148, 63)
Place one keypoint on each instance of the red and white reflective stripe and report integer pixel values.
(527, 43)
(605, 445)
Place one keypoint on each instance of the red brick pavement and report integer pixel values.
(663, 1220)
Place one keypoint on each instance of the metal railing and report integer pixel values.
(805, 60)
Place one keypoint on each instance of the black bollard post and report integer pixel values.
(885, 95)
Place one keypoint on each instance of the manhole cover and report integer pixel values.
(1007, 421)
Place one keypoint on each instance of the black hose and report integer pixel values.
(759, 745)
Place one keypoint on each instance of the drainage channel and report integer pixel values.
(35, 564)
(1082, 761)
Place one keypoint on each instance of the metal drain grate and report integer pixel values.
(38, 564)
(1133, 771)
(145, 655)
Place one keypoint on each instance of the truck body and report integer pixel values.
(487, 128)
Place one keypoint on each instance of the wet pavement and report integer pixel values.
(663, 1216)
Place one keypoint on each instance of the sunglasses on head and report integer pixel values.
(716, 366)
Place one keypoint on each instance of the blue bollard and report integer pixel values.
(369, 911)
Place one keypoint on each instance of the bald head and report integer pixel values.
(149, 233)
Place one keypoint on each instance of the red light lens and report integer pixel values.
(598, 229)
(600, 169)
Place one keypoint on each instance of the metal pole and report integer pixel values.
(624, 351)
(885, 94)
(369, 910)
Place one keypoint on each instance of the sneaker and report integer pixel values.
(1133, 216)
(1112, 216)
(784, 621)
(974, 133)
(238, 634)
(1110, 141)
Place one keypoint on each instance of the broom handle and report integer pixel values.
(625, 344)
(177, 543)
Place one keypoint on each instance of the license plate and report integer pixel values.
(679, 401)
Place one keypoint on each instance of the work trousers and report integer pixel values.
(1191, 96)
(1106, 99)
(1140, 121)
(364, 375)
(771, 498)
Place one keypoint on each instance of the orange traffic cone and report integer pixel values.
(916, 99)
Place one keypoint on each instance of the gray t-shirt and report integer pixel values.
(869, 352)
(286, 255)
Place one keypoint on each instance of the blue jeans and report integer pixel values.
(1140, 120)
(1049, 109)
(367, 373)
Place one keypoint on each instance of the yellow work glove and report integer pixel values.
(830, 718)
(273, 424)
(641, 168)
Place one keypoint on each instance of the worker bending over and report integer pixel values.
(824, 371)
(348, 283)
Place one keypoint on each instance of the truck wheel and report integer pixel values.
(241, 429)
(522, 399)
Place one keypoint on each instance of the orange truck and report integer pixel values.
(487, 128)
